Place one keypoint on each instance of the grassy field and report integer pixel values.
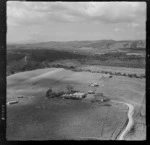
(63, 119)
(114, 69)
(38, 118)
(130, 90)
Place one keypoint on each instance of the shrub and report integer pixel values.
(111, 73)
(130, 75)
(70, 89)
(99, 94)
(135, 75)
(119, 73)
(124, 74)
(72, 67)
(142, 76)
(49, 93)
(133, 129)
(58, 94)
(107, 105)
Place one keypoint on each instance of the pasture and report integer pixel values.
(37, 118)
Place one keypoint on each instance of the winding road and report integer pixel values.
(130, 122)
(129, 125)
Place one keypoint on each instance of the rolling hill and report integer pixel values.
(85, 46)
(99, 52)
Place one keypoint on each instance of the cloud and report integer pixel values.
(134, 25)
(23, 13)
(117, 29)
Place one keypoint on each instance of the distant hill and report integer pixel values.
(97, 46)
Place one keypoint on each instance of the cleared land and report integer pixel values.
(114, 69)
(35, 117)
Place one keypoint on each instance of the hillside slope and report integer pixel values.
(89, 46)
(100, 52)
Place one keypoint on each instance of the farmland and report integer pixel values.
(35, 117)
(33, 69)
(75, 71)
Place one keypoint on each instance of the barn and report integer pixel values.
(94, 85)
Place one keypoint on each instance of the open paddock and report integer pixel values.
(39, 118)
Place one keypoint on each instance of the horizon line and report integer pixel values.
(36, 42)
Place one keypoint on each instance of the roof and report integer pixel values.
(74, 95)
(90, 91)
(12, 102)
(80, 94)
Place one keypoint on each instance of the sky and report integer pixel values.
(75, 21)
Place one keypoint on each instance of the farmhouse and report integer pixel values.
(66, 96)
(77, 95)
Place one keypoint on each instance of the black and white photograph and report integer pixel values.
(76, 70)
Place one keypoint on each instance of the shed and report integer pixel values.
(12, 102)
(20, 96)
(94, 85)
(91, 92)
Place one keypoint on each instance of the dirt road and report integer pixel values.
(129, 125)
(130, 122)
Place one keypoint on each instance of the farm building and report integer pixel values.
(67, 96)
(104, 99)
(20, 96)
(91, 92)
(94, 85)
(12, 102)
(77, 95)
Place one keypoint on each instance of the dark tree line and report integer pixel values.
(40, 58)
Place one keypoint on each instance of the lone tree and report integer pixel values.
(49, 92)
(70, 89)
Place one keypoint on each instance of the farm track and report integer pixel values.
(127, 128)
(130, 122)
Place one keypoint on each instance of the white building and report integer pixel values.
(91, 92)
(77, 95)
(94, 85)
(12, 102)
